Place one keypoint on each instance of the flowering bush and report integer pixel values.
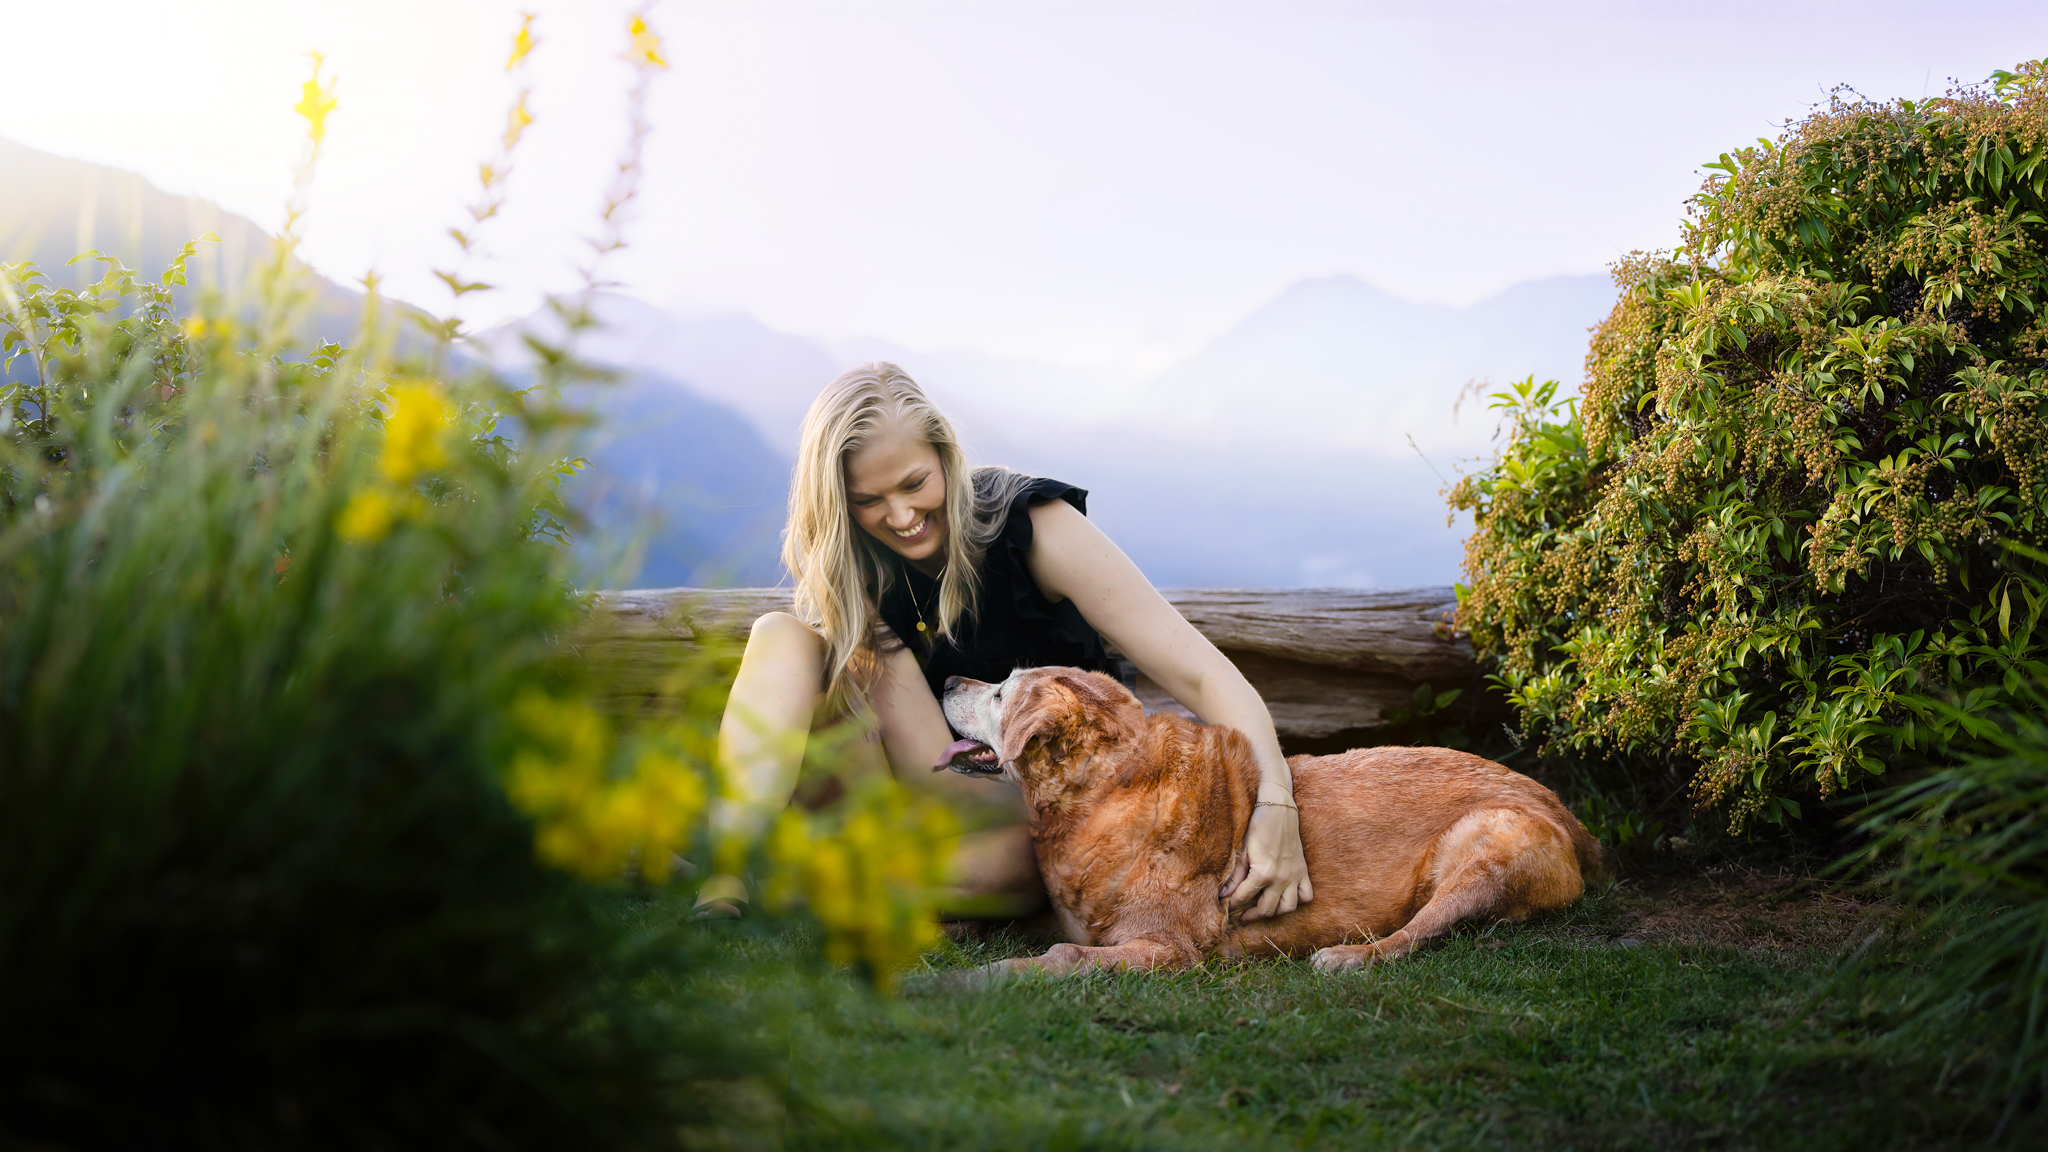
(867, 871)
(1769, 538)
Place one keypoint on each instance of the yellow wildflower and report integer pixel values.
(516, 123)
(871, 883)
(316, 100)
(522, 43)
(646, 49)
(414, 433)
(589, 821)
(368, 516)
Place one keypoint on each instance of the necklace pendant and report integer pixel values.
(920, 625)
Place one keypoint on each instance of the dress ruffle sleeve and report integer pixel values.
(1026, 601)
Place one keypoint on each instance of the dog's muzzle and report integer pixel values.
(970, 758)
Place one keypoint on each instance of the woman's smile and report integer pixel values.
(896, 490)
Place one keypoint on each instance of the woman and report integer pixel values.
(911, 569)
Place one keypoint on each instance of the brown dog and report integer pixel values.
(1139, 822)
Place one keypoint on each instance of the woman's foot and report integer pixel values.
(721, 898)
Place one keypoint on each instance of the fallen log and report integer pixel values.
(1333, 665)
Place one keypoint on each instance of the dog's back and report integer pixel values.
(1376, 827)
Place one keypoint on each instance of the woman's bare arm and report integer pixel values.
(1072, 559)
(914, 731)
(915, 735)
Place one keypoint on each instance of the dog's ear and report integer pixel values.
(1109, 706)
(1039, 711)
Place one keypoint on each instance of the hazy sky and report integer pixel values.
(1106, 183)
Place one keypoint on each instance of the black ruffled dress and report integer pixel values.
(1016, 626)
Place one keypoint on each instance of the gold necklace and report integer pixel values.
(918, 607)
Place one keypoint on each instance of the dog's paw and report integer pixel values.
(1343, 956)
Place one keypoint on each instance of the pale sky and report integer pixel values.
(1111, 183)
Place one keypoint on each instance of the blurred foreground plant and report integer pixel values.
(868, 870)
(311, 831)
(262, 882)
(1971, 843)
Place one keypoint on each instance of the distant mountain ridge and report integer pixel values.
(1339, 363)
(1278, 456)
(53, 208)
(680, 475)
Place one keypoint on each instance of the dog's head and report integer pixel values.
(1038, 721)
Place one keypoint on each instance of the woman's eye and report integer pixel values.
(914, 485)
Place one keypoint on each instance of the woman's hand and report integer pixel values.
(1272, 879)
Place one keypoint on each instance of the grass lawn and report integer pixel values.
(1686, 1016)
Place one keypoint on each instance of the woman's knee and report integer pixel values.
(779, 634)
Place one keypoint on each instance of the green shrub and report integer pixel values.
(313, 828)
(260, 881)
(1768, 537)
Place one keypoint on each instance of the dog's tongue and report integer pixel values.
(956, 750)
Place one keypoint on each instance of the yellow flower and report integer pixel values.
(646, 49)
(316, 100)
(522, 43)
(589, 821)
(871, 883)
(414, 432)
(516, 123)
(368, 516)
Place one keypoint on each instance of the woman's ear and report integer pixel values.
(1035, 714)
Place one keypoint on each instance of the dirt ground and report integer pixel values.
(1778, 904)
(1759, 904)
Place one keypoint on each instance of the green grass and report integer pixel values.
(1558, 1034)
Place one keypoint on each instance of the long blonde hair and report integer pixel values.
(840, 570)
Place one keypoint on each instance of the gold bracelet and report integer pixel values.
(1272, 804)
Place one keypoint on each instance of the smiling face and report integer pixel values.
(896, 488)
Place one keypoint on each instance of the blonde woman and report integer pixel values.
(909, 568)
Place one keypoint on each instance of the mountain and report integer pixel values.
(728, 358)
(53, 208)
(683, 489)
(685, 486)
(1338, 363)
(1277, 456)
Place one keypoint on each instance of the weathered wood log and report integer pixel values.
(1331, 664)
(635, 640)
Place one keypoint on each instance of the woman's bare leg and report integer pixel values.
(994, 875)
(767, 718)
(761, 739)
(994, 870)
